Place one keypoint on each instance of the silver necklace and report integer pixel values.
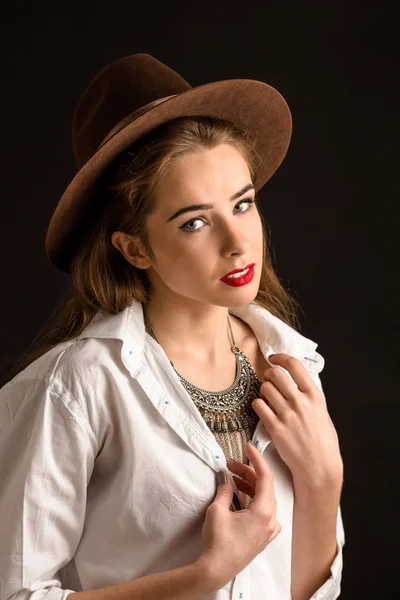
(228, 410)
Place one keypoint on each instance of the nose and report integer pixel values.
(234, 239)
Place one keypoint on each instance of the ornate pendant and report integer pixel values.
(228, 410)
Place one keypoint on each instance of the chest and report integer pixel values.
(218, 377)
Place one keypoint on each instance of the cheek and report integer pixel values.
(180, 257)
(193, 259)
(258, 232)
(192, 268)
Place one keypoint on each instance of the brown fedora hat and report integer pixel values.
(131, 96)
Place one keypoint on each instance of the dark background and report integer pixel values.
(331, 206)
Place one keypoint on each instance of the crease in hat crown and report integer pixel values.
(120, 89)
(130, 97)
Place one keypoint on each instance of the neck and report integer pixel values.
(201, 333)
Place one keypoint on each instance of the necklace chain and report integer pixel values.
(153, 333)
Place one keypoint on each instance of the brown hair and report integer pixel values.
(102, 279)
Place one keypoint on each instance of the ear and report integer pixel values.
(131, 248)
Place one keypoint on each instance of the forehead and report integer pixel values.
(218, 171)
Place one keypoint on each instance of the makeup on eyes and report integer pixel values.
(207, 206)
(249, 201)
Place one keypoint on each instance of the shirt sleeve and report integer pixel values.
(47, 452)
(330, 589)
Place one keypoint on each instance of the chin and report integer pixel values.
(239, 296)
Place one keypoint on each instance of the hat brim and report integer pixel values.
(251, 104)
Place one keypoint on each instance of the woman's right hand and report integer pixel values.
(231, 539)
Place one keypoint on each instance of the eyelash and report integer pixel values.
(247, 200)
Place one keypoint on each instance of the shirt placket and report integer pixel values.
(204, 444)
(241, 587)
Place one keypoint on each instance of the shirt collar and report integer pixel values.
(273, 334)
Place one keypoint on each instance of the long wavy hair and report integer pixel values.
(102, 279)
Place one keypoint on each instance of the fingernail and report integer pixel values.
(221, 477)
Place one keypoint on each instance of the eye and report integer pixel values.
(248, 201)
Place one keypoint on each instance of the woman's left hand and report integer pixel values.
(299, 424)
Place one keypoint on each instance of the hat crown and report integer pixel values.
(122, 87)
(131, 97)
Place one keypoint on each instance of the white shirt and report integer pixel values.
(107, 467)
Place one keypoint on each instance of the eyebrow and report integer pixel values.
(193, 207)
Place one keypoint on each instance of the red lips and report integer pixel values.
(238, 270)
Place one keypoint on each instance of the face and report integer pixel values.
(193, 250)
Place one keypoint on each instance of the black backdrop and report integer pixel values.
(331, 206)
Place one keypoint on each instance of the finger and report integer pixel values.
(272, 515)
(264, 496)
(244, 471)
(277, 530)
(297, 371)
(224, 493)
(276, 401)
(279, 380)
(266, 413)
(244, 486)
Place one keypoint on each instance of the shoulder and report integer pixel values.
(73, 373)
(78, 366)
(71, 361)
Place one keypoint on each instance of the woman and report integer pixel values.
(159, 372)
